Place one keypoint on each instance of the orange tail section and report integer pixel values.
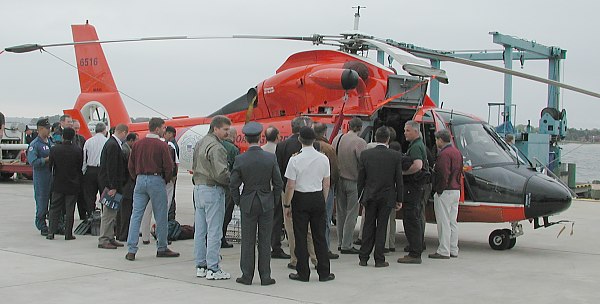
(99, 99)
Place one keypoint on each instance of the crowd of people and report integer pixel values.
(293, 183)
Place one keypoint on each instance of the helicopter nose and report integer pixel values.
(545, 196)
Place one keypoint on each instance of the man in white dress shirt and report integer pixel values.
(92, 149)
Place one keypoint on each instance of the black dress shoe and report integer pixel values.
(244, 281)
(291, 266)
(280, 255)
(226, 245)
(296, 277)
(145, 242)
(386, 250)
(69, 237)
(358, 242)
(382, 264)
(44, 232)
(50, 236)
(267, 282)
(330, 277)
(362, 263)
(333, 256)
(352, 250)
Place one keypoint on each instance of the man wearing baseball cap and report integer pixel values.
(38, 156)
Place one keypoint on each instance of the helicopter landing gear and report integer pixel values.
(503, 239)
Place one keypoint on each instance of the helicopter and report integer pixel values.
(333, 86)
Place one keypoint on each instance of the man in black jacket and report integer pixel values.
(380, 182)
(65, 162)
(257, 170)
(112, 176)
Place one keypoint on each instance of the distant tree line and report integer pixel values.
(579, 135)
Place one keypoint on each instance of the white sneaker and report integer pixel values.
(201, 272)
(217, 275)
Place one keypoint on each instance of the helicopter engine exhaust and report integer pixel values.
(336, 79)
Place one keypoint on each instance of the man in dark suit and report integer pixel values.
(124, 214)
(257, 170)
(65, 162)
(79, 141)
(380, 182)
(113, 176)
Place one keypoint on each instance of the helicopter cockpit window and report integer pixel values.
(478, 145)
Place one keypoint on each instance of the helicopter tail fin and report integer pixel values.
(99, 99)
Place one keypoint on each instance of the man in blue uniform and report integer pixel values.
(37, 156)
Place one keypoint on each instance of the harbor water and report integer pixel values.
(587, 158)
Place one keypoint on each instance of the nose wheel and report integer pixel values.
(503, 239)
(500, 239)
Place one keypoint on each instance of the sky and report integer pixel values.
(196, 78)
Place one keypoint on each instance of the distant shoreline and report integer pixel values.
(579, 142)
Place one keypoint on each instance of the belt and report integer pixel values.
(156, 174)
(210, 185)
(93, 166)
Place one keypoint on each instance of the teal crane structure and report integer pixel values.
(542, 146)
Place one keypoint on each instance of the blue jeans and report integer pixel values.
(208, 221)
(329, 209)
(42, 180)
(149, 187)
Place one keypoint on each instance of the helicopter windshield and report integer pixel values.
(480, 145)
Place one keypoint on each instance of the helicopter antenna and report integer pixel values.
(357, 16)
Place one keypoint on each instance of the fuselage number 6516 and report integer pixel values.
(88, 61)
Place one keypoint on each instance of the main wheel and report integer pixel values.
(499, 239)
(513, 241)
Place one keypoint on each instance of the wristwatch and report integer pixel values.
(286, 206)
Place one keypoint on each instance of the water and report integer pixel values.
(587, 158)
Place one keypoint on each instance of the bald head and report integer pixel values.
(272, 134)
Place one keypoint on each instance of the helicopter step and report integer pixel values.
(503, 239)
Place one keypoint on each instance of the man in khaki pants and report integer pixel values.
(112, 175)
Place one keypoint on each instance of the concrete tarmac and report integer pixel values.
(542, 268)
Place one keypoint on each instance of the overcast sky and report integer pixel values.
(197, 77)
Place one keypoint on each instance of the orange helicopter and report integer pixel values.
(332, 86)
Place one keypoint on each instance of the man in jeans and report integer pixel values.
(151, 166)
(211, 177)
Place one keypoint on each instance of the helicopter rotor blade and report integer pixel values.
(410, 63)
(506, 71)
(24, 48)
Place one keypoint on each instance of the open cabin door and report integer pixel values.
(410, 91)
